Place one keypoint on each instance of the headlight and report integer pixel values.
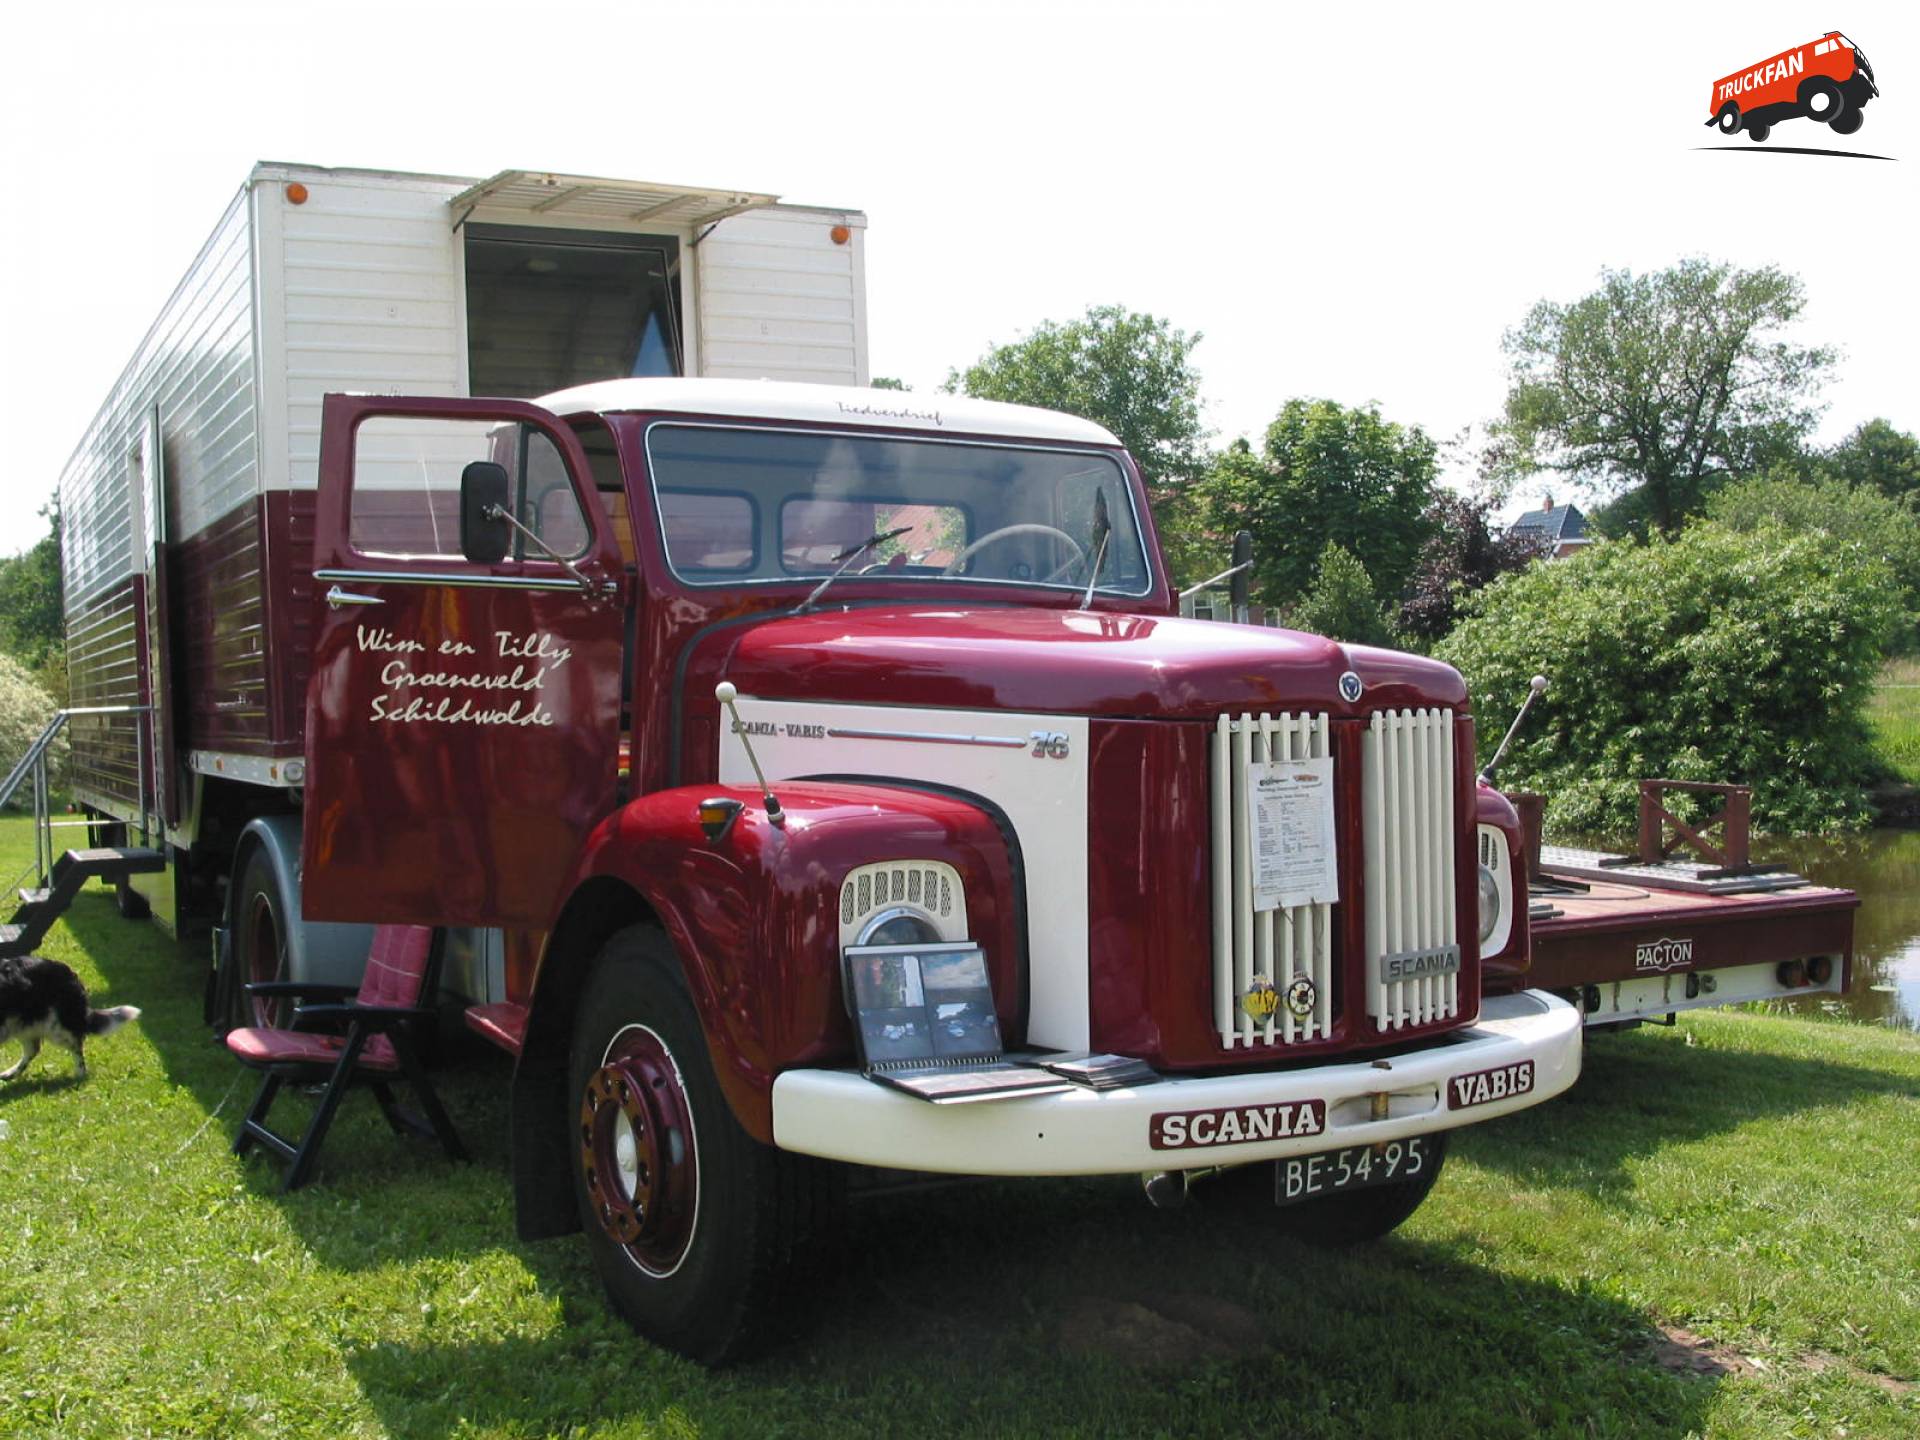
(1489, 903)
(899, 927)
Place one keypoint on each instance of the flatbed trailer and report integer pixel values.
(1641, 945)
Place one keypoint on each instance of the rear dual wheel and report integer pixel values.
(694, 1226)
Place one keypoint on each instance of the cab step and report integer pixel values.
(504, 1023)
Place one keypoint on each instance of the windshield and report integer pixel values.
(746, 505)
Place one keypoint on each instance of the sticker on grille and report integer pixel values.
(1408, 815)
(1285, 947)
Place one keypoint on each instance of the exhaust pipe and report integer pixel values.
(1166, 1189)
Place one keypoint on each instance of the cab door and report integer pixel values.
(462, 717)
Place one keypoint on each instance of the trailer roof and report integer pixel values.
(827, 405)
(588, 197)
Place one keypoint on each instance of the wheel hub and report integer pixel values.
(637, 1155)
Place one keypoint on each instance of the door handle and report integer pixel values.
(336, 597)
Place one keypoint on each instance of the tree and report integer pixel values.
(1326, 475)
(1132, 373)
(25, 709)
(1661, 386)
(32, 606)
(1876, 454)
(1463, 552)
(1747, 658)
(1341, 604)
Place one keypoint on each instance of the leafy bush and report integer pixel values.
(25, 709)
(1747, 658)
(1879, 525)
(1340, 605)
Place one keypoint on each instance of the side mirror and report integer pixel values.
(1240, 588)
(485, 538)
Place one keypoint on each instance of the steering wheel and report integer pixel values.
(1006, 532)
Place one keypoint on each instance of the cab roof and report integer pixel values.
(827, 405)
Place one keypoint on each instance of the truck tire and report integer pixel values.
(1848, 122)
(1363, 1215)
(1728, 119)
(693, 1225)
(1758, 132)
(1821, 99)
(259, 946)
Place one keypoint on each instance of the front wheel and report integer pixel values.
(1848, 122)
(693, 1224)
(261, 936)
(1822, 100)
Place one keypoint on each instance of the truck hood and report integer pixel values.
(1074, 662)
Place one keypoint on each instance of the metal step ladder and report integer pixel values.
(58, 880)
(39, 908)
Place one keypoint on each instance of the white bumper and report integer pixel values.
(840, 1115)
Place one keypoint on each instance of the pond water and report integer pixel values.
(1883, 868)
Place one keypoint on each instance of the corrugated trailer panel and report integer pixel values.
(219, 594)
(104, 667)
(196, 363)
(778, 298)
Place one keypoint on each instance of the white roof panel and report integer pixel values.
(538, 193)
(828, 405)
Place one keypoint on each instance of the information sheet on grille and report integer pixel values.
(1290, 824)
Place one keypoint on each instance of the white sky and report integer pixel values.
(1348, 202)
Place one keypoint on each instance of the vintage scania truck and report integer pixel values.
(406, 655)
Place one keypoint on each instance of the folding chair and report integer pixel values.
(345, 1039)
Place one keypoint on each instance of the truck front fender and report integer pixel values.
(754, 918)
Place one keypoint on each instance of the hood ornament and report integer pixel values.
(1350, 688)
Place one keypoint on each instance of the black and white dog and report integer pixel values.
(44, 1000)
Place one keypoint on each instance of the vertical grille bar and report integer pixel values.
(1407, 776)
(1278, 944)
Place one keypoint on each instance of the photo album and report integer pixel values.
(924, 1023)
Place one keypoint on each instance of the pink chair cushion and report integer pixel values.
(396, 965)
(286, 1047)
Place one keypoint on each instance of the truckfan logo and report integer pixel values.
(1827, 80)
(1663, 955)
(1350, 687)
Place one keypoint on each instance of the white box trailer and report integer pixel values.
(188, 505)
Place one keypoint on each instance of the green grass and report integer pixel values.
(1747, 1178)
(1894, 714)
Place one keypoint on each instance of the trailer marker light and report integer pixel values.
(296, 193)
(840, 234)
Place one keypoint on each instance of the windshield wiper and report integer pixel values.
(846, 558)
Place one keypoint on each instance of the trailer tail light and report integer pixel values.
(1819, 969)
(1793, 974)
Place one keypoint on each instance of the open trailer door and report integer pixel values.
(463, 713)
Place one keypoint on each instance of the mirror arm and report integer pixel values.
(1208, 584)
(591, 590)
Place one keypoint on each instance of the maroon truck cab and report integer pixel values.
(1256, 862)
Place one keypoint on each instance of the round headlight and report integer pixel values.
(1489, 903)
(899, 926)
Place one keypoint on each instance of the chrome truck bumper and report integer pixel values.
(1473, 1074)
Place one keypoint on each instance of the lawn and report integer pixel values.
(1717, 1232)
(1894, 714)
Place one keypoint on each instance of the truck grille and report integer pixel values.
(1278, 944)
(1406, 775)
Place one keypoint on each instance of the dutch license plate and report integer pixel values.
(1306, 1177)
